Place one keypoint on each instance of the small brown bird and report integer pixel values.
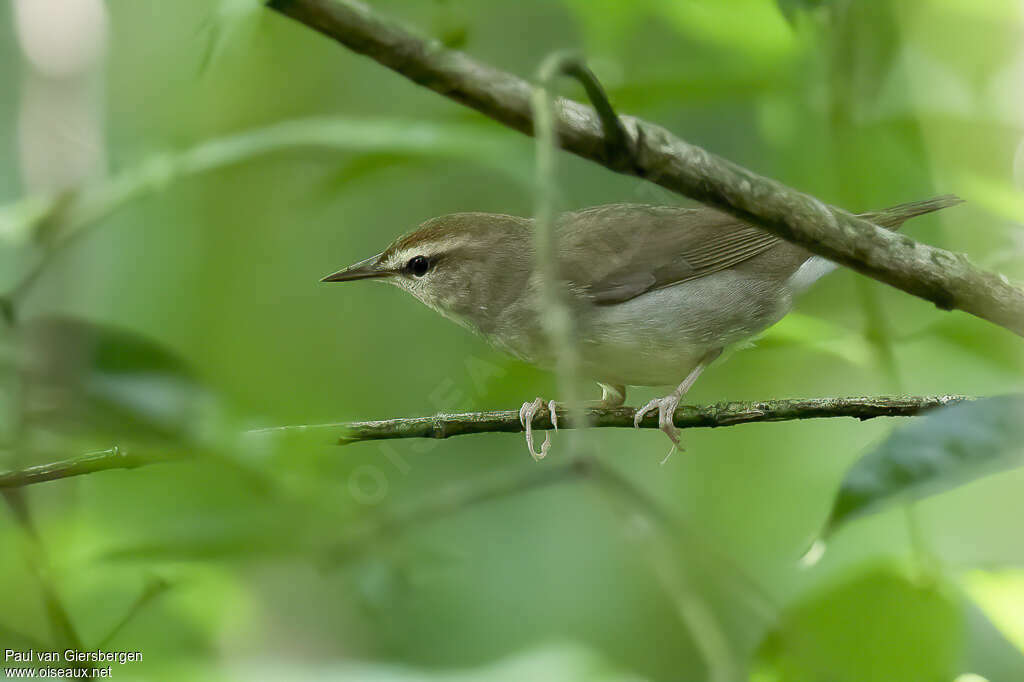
(656, 292)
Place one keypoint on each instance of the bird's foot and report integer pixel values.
(526, 415)
(666, 411)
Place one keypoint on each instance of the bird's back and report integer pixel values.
(658, 287)
(617, 252)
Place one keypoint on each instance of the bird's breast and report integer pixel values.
(658, 337)
(651, 340)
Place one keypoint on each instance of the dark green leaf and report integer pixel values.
(946, 448)
(113, 381)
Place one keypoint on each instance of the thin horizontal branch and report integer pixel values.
(949, 280)
(507, 421)
(686, 416)
(101, 460)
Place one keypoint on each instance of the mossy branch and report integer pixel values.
(686, 416)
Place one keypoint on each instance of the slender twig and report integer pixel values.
(507, 421)
(153, 589)
(618, 147)
(63, 629)
(686, 416)
(102, 460)
(619, 488)
(557, 318)
(659, 539)
(949, 280)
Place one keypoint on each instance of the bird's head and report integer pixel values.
(466, 266)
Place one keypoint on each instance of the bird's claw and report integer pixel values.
(666, 412)
(526, 415)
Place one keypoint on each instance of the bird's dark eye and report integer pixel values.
(418, 265)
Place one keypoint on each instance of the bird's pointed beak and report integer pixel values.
(364, 269)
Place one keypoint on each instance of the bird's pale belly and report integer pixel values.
(657, 338)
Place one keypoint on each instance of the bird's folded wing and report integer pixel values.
(614, 253)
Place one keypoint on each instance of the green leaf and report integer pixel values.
(946, 448)
(989, 651)
(1000, 595)
(877, 627)
(111, 383)
(19, 218)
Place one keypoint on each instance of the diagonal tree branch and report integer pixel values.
(949, 280)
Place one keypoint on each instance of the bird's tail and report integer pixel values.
(894, 217)
(816, 267)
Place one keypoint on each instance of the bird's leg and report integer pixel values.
(611, 396)
(526, 414)
(667, 405)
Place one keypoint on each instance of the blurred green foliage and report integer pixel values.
(177, 306)
(942, 448)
